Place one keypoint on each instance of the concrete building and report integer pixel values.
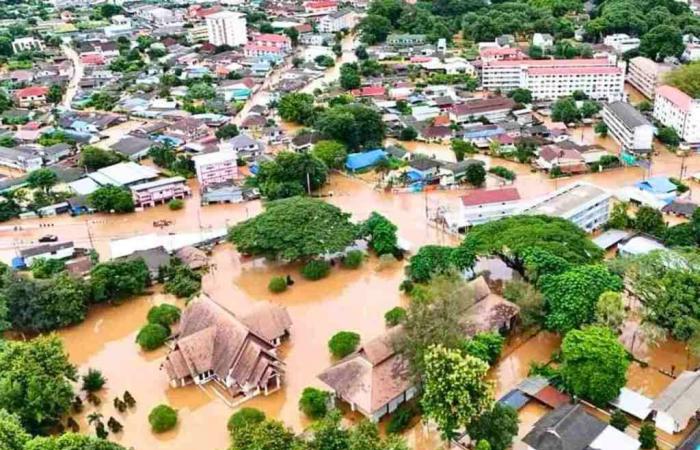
(27, 44)
(337, 21)
(406, 40)
(215, 168)
(484, 205)
(494, 109)
(646, 75)
(550, 79)
(19, 158)
(584, 204)
(280, 41)
(159, 191)
(621, 42)
(543, 40)
(227, 28)
(676, 109)
(62, 250)
(628, 127)
(31, 96)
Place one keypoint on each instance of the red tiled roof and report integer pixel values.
(483, 105)
(675, 96)
(420, 59)
(270, 37)
(304, 28)
(92, 59)
(321, 4)
(369, 91)
(32, 91)
(441, 120)
(552, 397)
(204, 12)
(487, 196)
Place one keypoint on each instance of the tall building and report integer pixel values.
(628, 127)
(227, 28)
(549, 79)
(676, 109)
(645, 75)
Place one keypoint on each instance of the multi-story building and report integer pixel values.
(32, 96)
(621, 43)
(484, 205)
(27, 44)
(549, 79)
(227, 28)
(266, 51)
(494, 109)
(646, 75)
(216, 168)
(628, 127)
(198, 33)
(320, 7)
(337, 21)
(676, 109)
(406, 40)
(159, 191)
(273, 40)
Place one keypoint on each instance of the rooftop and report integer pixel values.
(627, 114)
(487, 196)
(565, 201)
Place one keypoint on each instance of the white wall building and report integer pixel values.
(216, 168)
(337, 21)
(227, 28)
(549, 79)
(543, 40)
(27, 44)
(676, 109)
(646, 74)
(628, 126)
(621, 42)
(484, 205)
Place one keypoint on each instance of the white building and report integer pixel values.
(61, 250)
(676, 109)
(27, 44)
(550, 79)
(216, 168)
(628, 126)
(227, 28)
(543, 40)
(337, 21)
(691, 53)
(484, 205)
(646, 75)
(584, 204)
(621, 42)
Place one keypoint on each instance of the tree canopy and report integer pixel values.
(295, 228)
(290, 174)
(332, 153)
(434, 259)
(497, 426)
(355, 125)
(297, 107)
(686, 78)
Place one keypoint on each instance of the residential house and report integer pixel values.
(56, 152)
(61, 250)
(246, 147)
(155, 259)
(19, 158)
(427, 168)
(676, 405)
(406, 40)
(628, 127)
(490, 312)
(263, 51)
(269, 320)
(495, 53)
(423, 113)
(214, 345)
(192, 257)
(304, 141)
(216, 168)
(621, 43)
(27, 44)
(494, 109)
(159, 191)
(567, 160)
(281, 41)
(484, 205)
(31, 96)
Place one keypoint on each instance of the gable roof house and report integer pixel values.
(214, 345)
(490, 312)
(246, 147)
(678, 403)
(133, 147)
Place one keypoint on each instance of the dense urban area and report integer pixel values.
(349, 224)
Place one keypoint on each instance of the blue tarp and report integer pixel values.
(18, 263)
(165, 139)
(414, 176)
(658, 185)
(516, 399)
(358, 161)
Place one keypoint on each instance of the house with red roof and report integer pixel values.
(320, 7)
(369, 91)
(92, 59)
(273, 40)
(31, 96)
(484, 205)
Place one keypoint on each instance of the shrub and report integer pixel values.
(93, 381)
(314, 402)
(164, 314)
(406, 286)
(277, 284)
(343, 343)
(176, 204)
(486, 346)
(647, 435)
(162, 418)
(401, 419)
(353, 259)
(619, 420)
(394, 316)
(244, 418)
(315, 270)
(503, 172)
(152, 335)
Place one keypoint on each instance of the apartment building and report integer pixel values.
(31, 96)
(646, 75)
(216, 168)
(584, 204)
(280, 41)
(676, 109)
(227, 28)
(628, 127)
(159, 191)
(316, 8)
(484, 205)
(337, 21)
(549, 79)
(621, 42)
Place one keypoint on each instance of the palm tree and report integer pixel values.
(94, 417)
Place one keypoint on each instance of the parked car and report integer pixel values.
(48, 238)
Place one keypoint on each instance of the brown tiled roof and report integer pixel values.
(193, 257)
(490, 311)
(268, 320)
(488, 196)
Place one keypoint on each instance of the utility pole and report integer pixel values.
(87, 226)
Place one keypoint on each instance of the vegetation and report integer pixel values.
(355, 125)
(277, 285)
(668, 136)
(243, 418)
(94, 158)
(485, 346)
(164, 314)
(594, 364)
(283, 231)
(435, 259)
(502, 172)
(111, 199)
(601, 128)
(298, 108)
(343, 343)
(176, 204)
(395, 316)
(314, 402)
(353, 259)
(332, 153)
(181, 281)
(119, 279)
(619, 420)
(686, 78)
(401, 419)
(46, 268)
(152, 335)
(475, 175)
(290, 174)
(647, 435)
(530, 301)
(565, 110)
(381, 234)
(93, 381)
(610, 310)
(497, 427)
(162, 418)
(315, 269)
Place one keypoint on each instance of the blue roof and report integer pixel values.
(356, 161)
(516, 399)
(414, 176)
(657, 184)
(18, 263)
(483, 132)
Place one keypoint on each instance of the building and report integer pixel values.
(494, 109)
(678, 403)
(691, 52)
(570, 427)
(265, 51)
(484, 205)
(406, 40)
(496, 53)
(216, 168)
(31, 96)
(281, 41)
(544, 41)
(19, 158)
(628, 127)
(337, 21)
(214, 345)
(621, 43)
(586, 205)
(227, 28)
(316, 8)
(550, 79)
(27, 44)
(246, 147)
(123, 174)
(133, 147)
(676, 109)
(646, 75)
(63, 250)
(159, 191)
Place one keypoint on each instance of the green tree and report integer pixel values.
(43, 179)
(647, 435)
(265, 435)
(356, 125)
(35, 383)
(93, 158)
(55, 94)
(485, 346)
(408, 134)
(108, 10)
(181, 281)
(539, 262)
(350, 76)
(610, 310)
(686, 78)
(529, 300)
(152, 335)
(462, 148)
(381, 234)
(118, 280)
(565, 110)
(435, 259)
(244, 418)
(71, 441)
(46, 268)
(164, 314)
(162, 418)
(680, 235)
(455, 389)
(12, 435)
(314, 402)
(601, 128)
(283, 231)
(343, 343)
(475, 175)
(619, 420)
(111, 198)
(497, 426)
(619, 219)
(297, 107)
(650, 220)
(668, 136)
(332, 153)
(571, 297)
(374, 29)
(594, 364)
(661, 41)
(395, 316)
(227, 131)
(301, 170)
(521, 95)
(589, 108)
(315, 269)
(93, 381)
(201, 91)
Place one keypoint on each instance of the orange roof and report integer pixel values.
(32, 91)
(550, 396)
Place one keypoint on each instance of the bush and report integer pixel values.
(401, 419)
(503, 172)
(406, 286)
(176, 204)
(162, 418)
(164, 314)
(315, 270)
(314, 402)
(485, 346)
(152, 335)
(647, 435)
(394, 316)
(353, 259)
(93, 381)
(619, 420)
(277, 284)
(343, 343)
(244, 418)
